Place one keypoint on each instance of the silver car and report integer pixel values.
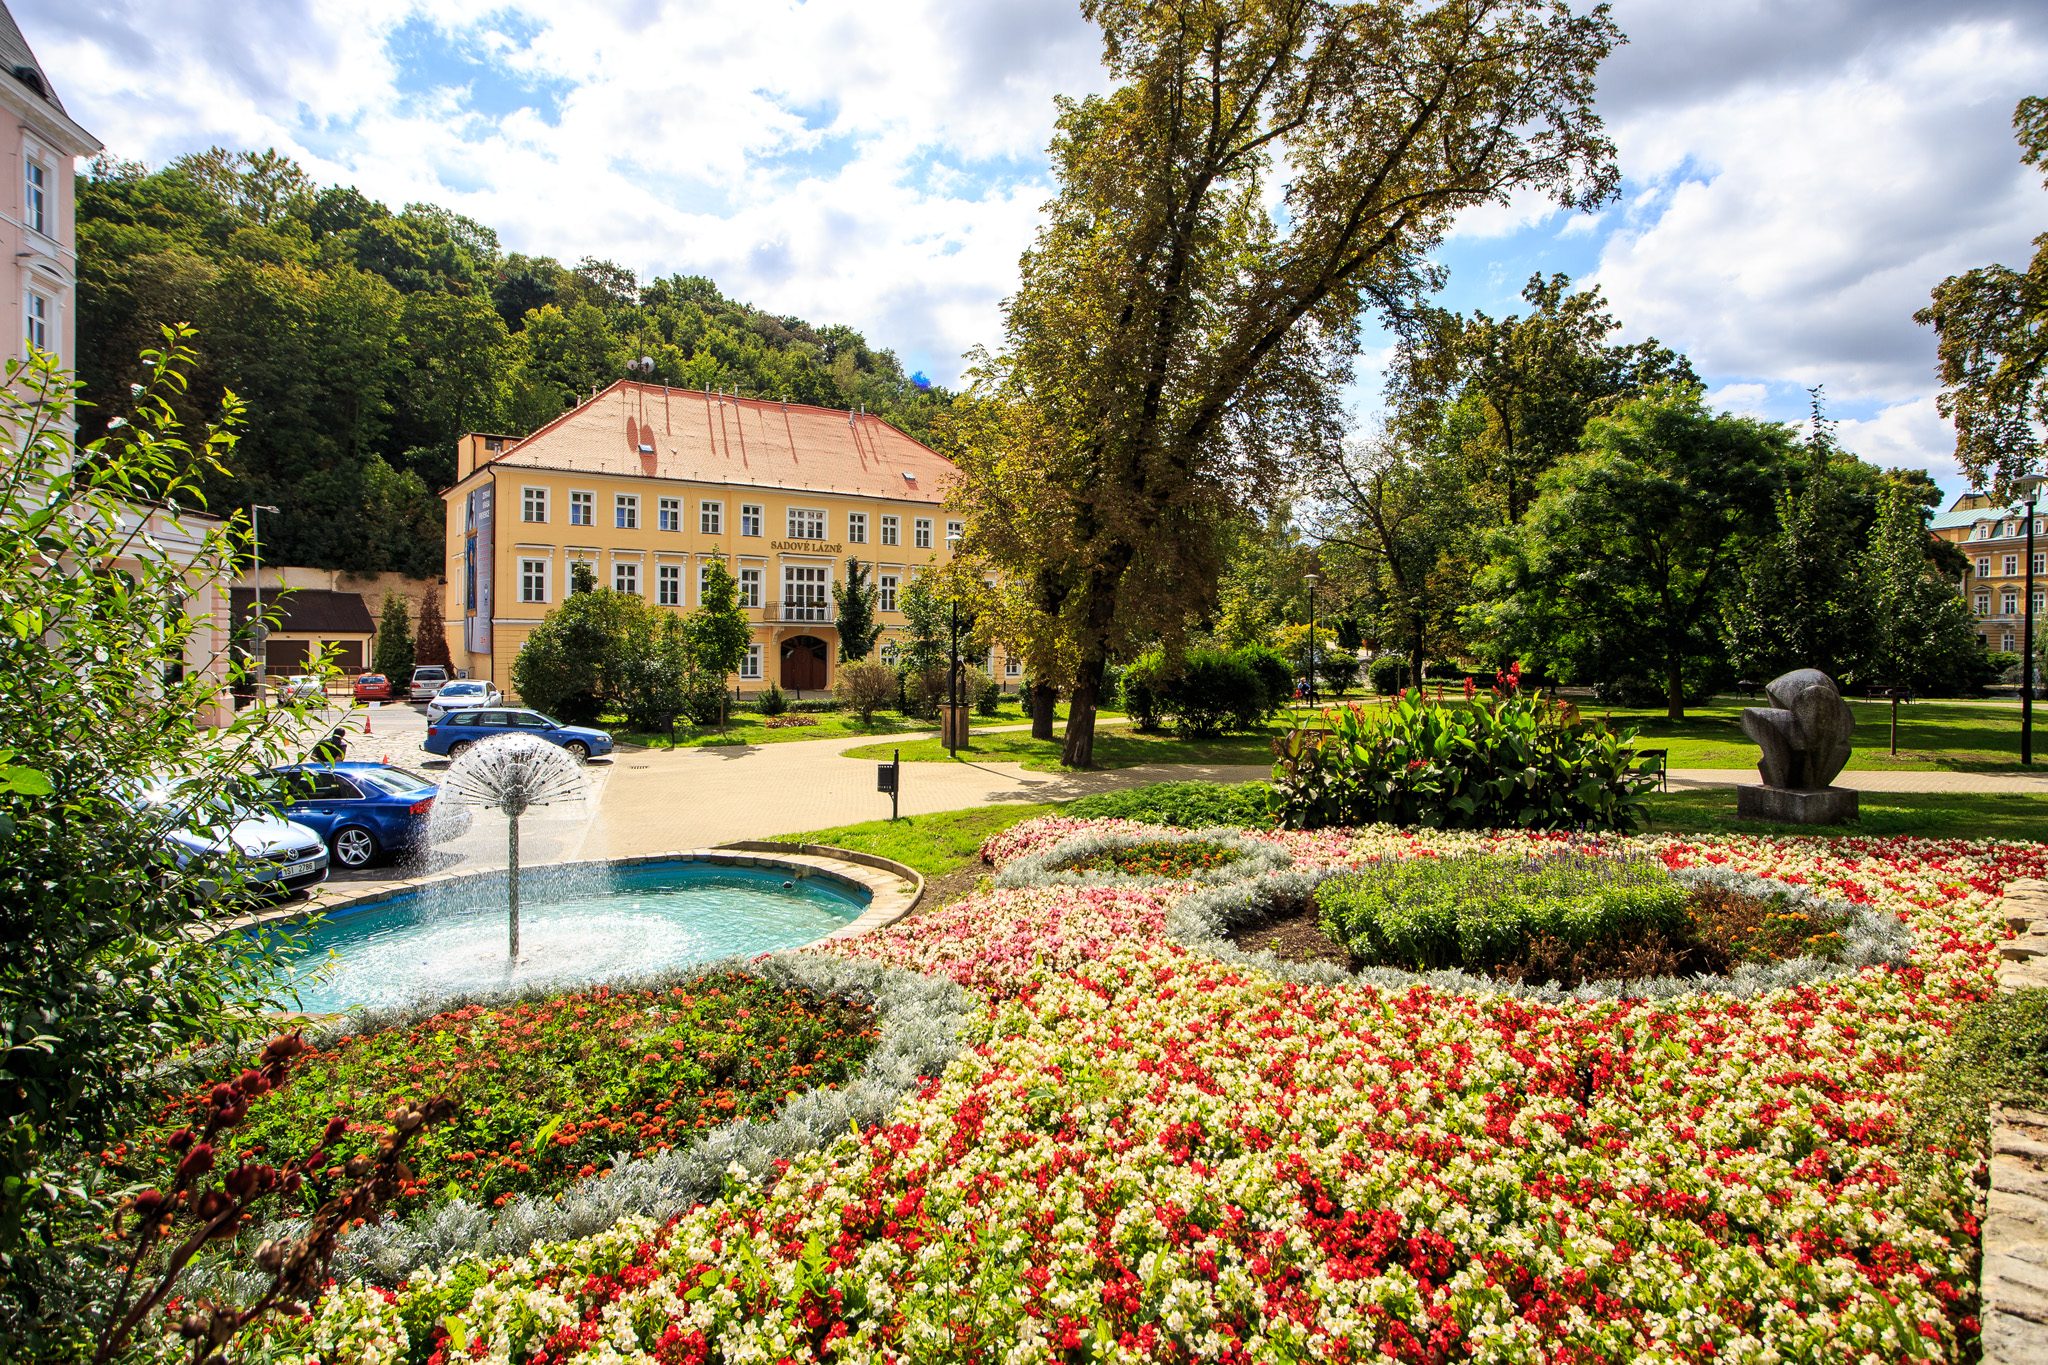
(464, 694)
(427, 679)
(271, 853)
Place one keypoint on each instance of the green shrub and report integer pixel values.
(1275, 675)
(866, 686)
(1478, 762)
(1998, 1053)
(1481, 912)
(1387, 674)
(772, 701)
(1184, 805)
(924, 688)
(989, 700)
(1214, 692)
(1141, 690)
(1338, 672)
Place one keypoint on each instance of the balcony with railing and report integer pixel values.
(801, 611)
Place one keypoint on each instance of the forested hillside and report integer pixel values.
(366, 340)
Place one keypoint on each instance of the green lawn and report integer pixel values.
(933, 844)
(1948, 735)
(1117, 747)
(750, 727)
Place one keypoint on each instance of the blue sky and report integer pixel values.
(1796, 177)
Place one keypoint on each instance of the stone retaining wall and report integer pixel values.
(2015, 1271)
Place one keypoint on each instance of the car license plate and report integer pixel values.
(301, 869)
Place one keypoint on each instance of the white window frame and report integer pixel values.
(1983, 566)
(711, 517)
(892, 530)
(625, 511)
(668, 514)
(752, 580)
(921, 533)
(799, 521)
(750, 518)
(569, 575)
(816, 611)
(36, 214)
(954, 531)
(2009, 602)
(1013, 668)
(582, 500)
(703, 569)
(2012, 566)
(2041, 561)
(533, 504)
(1983, 604)
(886, 586)
(668, 585)
(857, 528)
(750, 667)
(890, 653)
(533, 579)
(2006, 642)
(623, 569)
(37, 309)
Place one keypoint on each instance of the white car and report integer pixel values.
(464, 694)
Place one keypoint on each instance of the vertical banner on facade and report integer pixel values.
(478, 555)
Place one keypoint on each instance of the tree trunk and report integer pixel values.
(1079, 751)
(1674, 689)
(1415, 668)
(1044, 697)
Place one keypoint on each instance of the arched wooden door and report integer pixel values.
(803, 663)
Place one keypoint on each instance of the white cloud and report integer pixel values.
(1908, 435)
(1744, 400)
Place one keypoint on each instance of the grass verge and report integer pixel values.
(1120, 747)
(1934, 815)
(935, 845)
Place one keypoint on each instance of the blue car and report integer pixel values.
(454, 733)
(363, 811)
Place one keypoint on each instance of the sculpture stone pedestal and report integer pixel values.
(1789, 806)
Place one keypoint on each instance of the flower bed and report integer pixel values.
(559, 1088)
(1169, 860)
(1150, 1150)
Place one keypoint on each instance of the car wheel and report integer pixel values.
(578, 750)
(459, 748)
(354, 846)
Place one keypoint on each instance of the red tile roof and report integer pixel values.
(645, 429)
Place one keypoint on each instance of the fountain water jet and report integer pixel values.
(513, 773)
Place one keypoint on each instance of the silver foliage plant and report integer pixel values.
(920, 1021)
(1054, 867)
(1205, 920)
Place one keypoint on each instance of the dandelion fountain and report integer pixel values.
(513, 774)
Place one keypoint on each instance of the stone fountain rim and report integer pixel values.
(886, 903)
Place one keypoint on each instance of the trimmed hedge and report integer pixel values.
(1424, 914)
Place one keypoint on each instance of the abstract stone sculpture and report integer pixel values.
(1804, 735)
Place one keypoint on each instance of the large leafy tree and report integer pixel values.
(1510, 396)
(1992, 324)
(1921, 635)
(1172, 344)
(1621, 566)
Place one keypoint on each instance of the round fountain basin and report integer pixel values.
(577, 926)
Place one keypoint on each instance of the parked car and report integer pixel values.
(302, 687)
(464, 694)
(273, 855)
(427, 679)
(365, 811)
(373, 687)
(458, 730)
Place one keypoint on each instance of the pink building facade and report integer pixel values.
(40, 148)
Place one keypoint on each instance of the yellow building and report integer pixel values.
(1993, 538)
(647, 485)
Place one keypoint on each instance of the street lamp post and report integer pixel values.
(2030, 489)
(257, 630)
(1310, 579)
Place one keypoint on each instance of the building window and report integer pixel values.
(2040, 601)
(36, 198)
(751, 669)
(806, 523)
(670, 514)
(2012, 565)
(954, 530)
(533, 580)
(582, 509)
(668, 585)
(2005, 642)
(1983, 566)
(533, 504)
(2040, 561)
(805, 593)
(626, 578)
(703, 572)
(857, 527)
(569, 573)
(1012, 668)
(924, 533)
(36, 330)
(711, 518)
(2009, 602)
(892, 533)
(750, 587)
(890, 653)
(750, 518)
(885, 592)
(1983, 604)
(626, 511)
